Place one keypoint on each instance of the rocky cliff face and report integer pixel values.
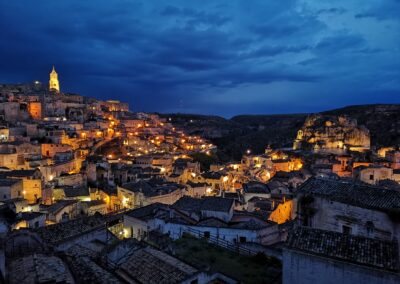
(332, 133)
(383, 121)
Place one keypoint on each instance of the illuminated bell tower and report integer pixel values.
(53, 83)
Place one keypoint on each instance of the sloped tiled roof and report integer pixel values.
(212, 222)
(38, 268)
(148, 265)
(8, 181)
(20, 173)
(152, 187)
(187, 203)
(146, 212)
(355, 249)
(356, 194)
(70, 191)
(219, 204)
(211, 175)
(256, 187)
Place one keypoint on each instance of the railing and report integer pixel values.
(234, 247)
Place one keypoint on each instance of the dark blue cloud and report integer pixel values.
(336, 10)
(194, 17)
(380, 10)
(222, 57)
(339, 43)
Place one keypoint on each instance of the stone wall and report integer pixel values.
(332, 216)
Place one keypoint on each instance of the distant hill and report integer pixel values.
(234, 136)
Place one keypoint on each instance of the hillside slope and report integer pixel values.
(234, 136)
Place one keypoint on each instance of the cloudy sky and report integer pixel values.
(214, 57)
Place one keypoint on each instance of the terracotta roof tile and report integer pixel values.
(355, 249)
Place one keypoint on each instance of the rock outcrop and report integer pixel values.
(332, 134)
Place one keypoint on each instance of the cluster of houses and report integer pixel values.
(91, 192)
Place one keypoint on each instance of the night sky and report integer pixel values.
(213, 57)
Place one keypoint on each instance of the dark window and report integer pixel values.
(371, 177)
(207, 234)
(370, 228)
(36, 224)
(346, 230)
(242, 239)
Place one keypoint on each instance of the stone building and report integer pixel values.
(29, 220)
(114, 105)
(141, 193)
(13, 111)
(394, 158)
(206, 207)
(255, 189)
(282, 211)
(50, 150)
(10, 159)
(374, 173)
(35, 110)
(10, 189)
(208, 217)
(347, 207)
(4, 134)
(31, 183)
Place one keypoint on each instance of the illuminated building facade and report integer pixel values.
(54, 85)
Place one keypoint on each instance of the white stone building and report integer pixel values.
(347, 207)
